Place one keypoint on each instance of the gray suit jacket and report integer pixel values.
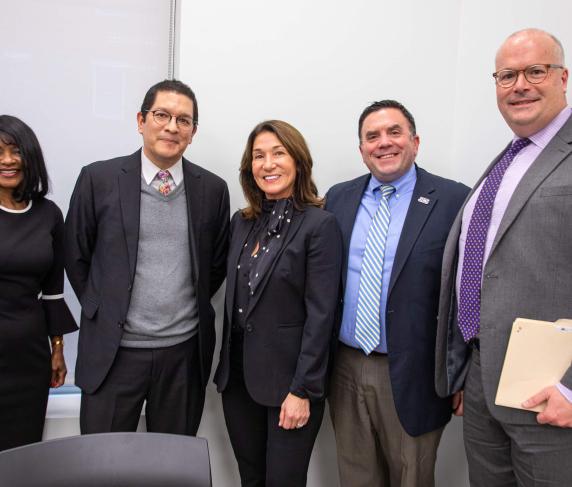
(528, 274)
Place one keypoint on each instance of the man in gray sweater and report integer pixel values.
(146, 238)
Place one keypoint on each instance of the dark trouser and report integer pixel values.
(167, 378)
(511, 455)
(267, 455)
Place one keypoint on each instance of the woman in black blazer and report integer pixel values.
(283, 277)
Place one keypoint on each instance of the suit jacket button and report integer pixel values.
(120, 324)
(248, 327)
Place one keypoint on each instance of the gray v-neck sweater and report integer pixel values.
(163, 309)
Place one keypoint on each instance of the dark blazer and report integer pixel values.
(527, 274)
(102, 233)
(290, 319)
(412, 302)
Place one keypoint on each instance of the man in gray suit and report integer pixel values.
(509, 255)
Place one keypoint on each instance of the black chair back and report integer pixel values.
(109, 460)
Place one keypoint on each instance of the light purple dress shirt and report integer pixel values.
(515, 172)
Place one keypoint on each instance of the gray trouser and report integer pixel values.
(510, 455)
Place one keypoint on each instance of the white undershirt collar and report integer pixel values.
(149, 170)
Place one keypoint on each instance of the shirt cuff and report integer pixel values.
(301, 393)
(567, 393)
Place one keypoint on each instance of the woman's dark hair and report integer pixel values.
(34, 185)
(305, 190)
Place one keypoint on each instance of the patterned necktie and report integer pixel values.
(472, 272)
(166, 182)
(367, 332)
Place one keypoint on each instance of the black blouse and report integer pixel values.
(269, 232)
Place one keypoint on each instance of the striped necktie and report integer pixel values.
(367, 331)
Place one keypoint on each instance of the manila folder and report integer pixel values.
(538, 355)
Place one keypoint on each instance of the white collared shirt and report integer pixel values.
(149, 170)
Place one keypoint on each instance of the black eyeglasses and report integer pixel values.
(162, 118)
(534, 74)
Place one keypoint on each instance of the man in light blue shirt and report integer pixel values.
(398, 205)
(387, 417)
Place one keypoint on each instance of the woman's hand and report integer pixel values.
(59, 369)
(294, 412)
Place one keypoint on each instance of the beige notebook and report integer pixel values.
(538, 355)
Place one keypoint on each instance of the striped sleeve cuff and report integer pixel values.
(51, 297)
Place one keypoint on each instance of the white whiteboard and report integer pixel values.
(76, 72)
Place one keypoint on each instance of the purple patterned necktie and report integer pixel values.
(472, 272)
(166, 182)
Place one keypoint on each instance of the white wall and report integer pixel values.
(76, 72)
(479, 130)
(317, 65)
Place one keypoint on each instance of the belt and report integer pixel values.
(360, 350)
(381, 354)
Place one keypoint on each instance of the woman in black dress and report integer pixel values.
(283, 277)
(33, 313)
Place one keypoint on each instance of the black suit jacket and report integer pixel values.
(290, 318)
(413, 297)
(102, 233)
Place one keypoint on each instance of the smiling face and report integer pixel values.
(11, 167)
(165, 145)
(526, 107)
(387, 146)
(274, 170)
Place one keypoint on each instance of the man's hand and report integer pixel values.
(294, 413)
(458, 403)
(558, 410)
